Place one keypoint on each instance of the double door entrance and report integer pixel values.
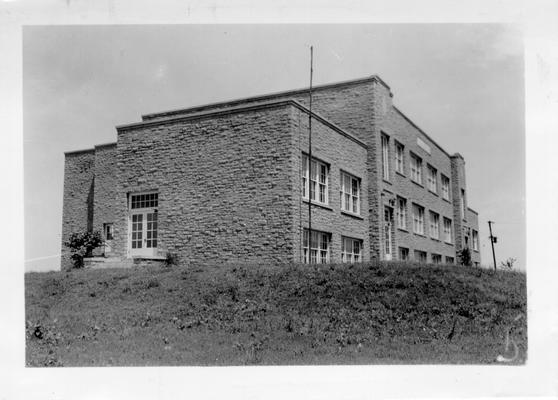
(143, 228)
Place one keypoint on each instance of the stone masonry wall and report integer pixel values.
(77, 208)
(340, 154)
(226, 192)
(473, 224)
(397, 128)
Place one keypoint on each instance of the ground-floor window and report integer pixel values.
(317, 250)
(420, 256)
(108, 231)
(351, 249)
(403, 254)
(436, 259)
(450, 260)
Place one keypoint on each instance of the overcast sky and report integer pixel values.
(462, 84)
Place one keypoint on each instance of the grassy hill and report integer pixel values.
(293, 314)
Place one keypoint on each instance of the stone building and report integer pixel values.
(231, 182)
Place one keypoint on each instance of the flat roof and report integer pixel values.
(372, 78)
(239, 109)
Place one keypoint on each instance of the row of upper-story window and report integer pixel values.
(434, 221)
(316, 184)
(416, 167)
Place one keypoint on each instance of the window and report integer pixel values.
(432, 179)
(450, 260)
(445, 187)
(317, 185)
(436, 259)
(403, 254)
(399, 160)
(434, 225)
(318, 251)
(401, 213)
(418, 219)
(385, 157)
(351, 250)
(475, 240)
(462, 200)
(416, 169)
(146, 200)
(350, 193)
(420, 256)
(108, 231)
(447, 230)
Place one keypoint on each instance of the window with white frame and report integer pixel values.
(416, 168)
(448, 230)
(434, 225)
(317, 251)
(108, 230)
(418, 219)
(420, 256)
(399, 158)
(318, 183)
(475, 240)
(436, 258)
(401, 213)
(432, 179)
(385, 157)
(403, 254)
(145, 200)
(350, 193)
(445, 187)
(351, 250)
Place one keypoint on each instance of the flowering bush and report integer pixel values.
(82, 245)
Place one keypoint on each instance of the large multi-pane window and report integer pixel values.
(436, 258)
(317, 183)
(432, 179)
(316, 251)
(148, 200)
(445, 187)
(399, 158)
(351, 250)
(447, 230)
(401, 213)
(475, 240)
(403, 254)
(385, 157)
(350, 193)
(418, 219)
(434, 225)
(420, 256)
(450, 260)
(416, 168)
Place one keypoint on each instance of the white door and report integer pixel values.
(143, 238)
(387, 234)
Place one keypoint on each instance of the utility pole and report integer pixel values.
(493, 240)
(310, 162)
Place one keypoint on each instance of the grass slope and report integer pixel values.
(236, 315)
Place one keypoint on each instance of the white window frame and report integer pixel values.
(448, 230)
(320, 247)
(445, 187)
(475, 240)
(401, 212)
(350, 198)
(385, 156)
(418, 219)
(108, 230)
(351, 249)
(321, 186)
(399, 158)
(416, 169)
(434, 225)
(432, 179)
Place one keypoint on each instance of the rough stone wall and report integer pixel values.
(458, 183)
(77, 208)
(340, 154)
(226, 192)
(105, 198)
(398, 128)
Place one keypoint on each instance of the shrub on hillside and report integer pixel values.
(464, 256)
(81, 245)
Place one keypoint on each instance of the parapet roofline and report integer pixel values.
(372, 78)
(239, 109)
(90, 150)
